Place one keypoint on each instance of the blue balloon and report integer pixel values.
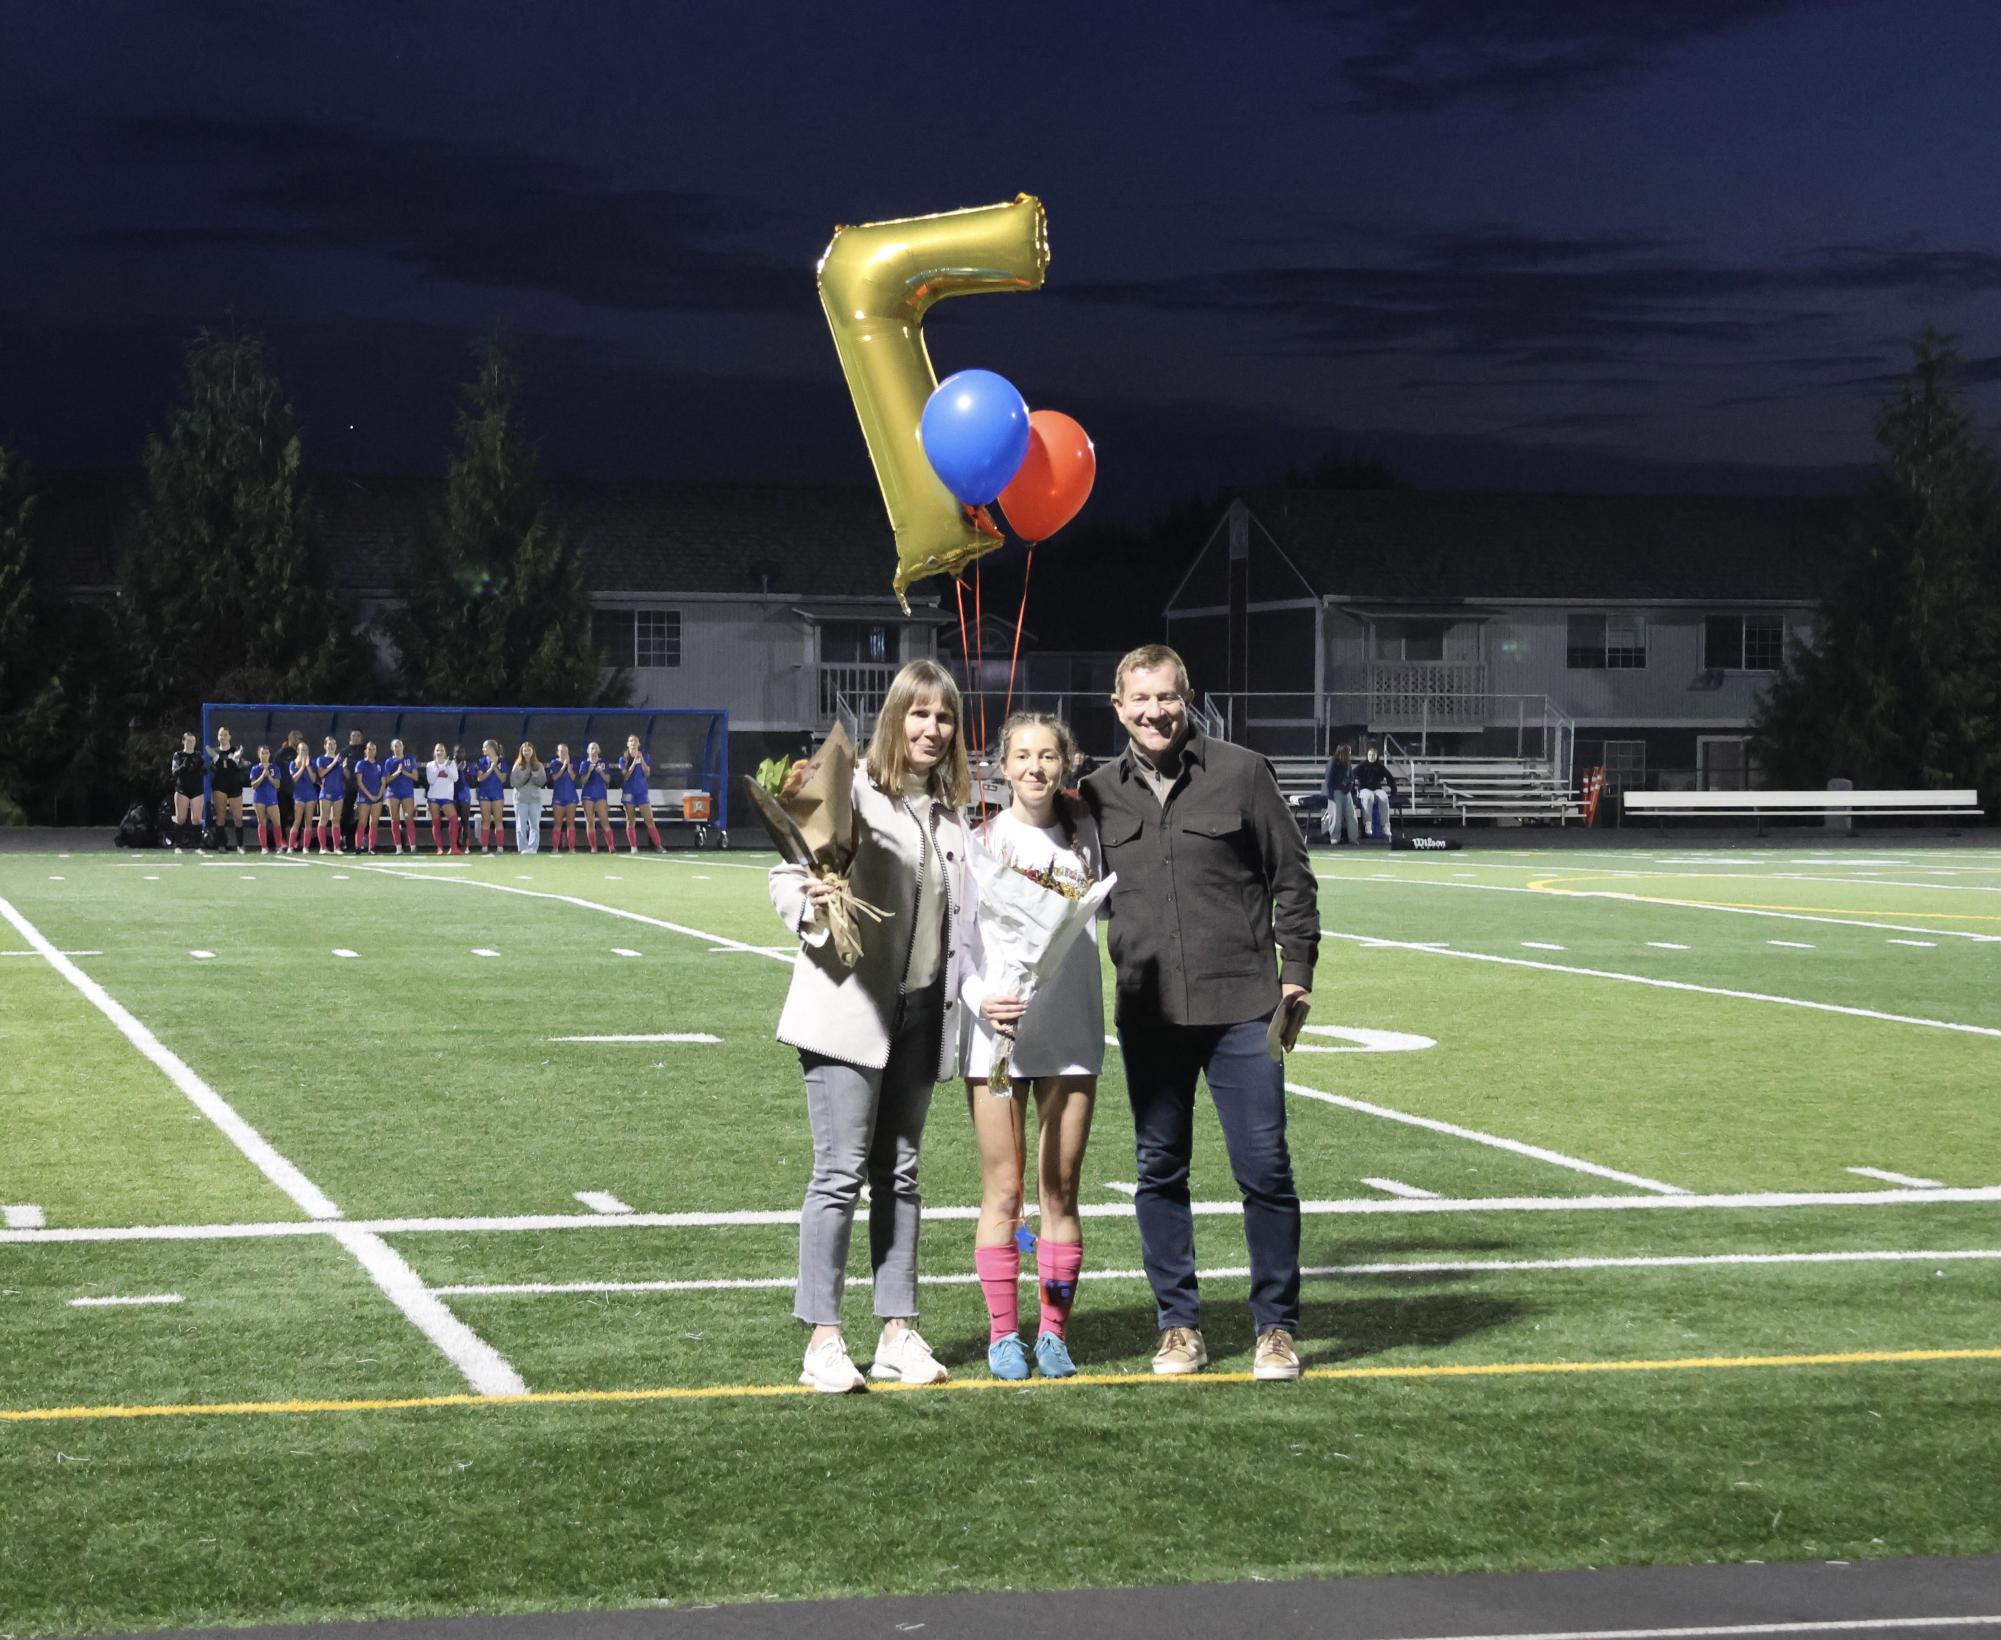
(975, 432)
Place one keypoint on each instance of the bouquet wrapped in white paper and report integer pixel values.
(1028, 921)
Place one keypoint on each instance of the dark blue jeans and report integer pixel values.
(1162, 1062)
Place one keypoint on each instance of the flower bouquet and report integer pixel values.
(812, 824)
(1028, 921)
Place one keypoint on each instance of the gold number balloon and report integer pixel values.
(877, 281)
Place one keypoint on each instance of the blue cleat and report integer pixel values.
(1052, 1357)
(1007, 1359)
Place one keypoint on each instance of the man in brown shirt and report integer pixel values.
(1214, 921)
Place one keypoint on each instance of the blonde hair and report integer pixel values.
(1066, 740)
(1145, 659)
(888, 751)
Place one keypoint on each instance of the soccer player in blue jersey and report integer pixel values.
(596, 797)
(563, 799)
(305, 801)
(367, 798)
(331, 773)
(635, 774)
(264, 802)
(489, 776)
(399, 771)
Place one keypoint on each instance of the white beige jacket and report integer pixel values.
(849, 1013)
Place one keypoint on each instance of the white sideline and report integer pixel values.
(133, 1300)
(1494, 1141)
(1666, 903)
(788, 1218)
(305, 1195)
(1238, 1272)
(484, 1368)
(1671, 984)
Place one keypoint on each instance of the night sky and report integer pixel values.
(1596, 244)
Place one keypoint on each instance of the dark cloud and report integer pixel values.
(471, 216)
(1425, 55)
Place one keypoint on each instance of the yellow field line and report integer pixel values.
(1565, 887)
(721, 1392)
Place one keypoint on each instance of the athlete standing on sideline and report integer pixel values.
(399, 786)
(563, 799)
(350, 757)
(491, 776)
(596, 799)
(189, 770)
(333, 791)
(463, 828)
(441, 790)
(305, 799)
(264, 802)
(367, 799)
(226, 781)
(635, 774)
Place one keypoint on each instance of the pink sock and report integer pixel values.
(1057, 1266)
(653, 831)
(1000, 1274)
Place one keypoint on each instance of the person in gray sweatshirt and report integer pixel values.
(530, 778)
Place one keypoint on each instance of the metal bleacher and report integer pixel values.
(1454, 789)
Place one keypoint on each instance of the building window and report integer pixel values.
(845, 643)
(638, 637)
(1743, 643)
(656, 637)
(1625, 765)
(1615, 643)
(1410, 640)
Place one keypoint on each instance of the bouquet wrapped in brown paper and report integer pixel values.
(812, 824)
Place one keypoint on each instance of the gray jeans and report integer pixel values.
(868, 1123)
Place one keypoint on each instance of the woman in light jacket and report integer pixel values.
(876, 1039)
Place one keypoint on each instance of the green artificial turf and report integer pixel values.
(416, 1079)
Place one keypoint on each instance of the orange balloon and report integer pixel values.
(1055, 477)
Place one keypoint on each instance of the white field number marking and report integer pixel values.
(1360, 1039)
(601, 1201)
(1898, 1178)
(26, 1216)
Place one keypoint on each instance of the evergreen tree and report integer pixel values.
(227, 593)
(1901, 683)
(495, 606)
(23, 690)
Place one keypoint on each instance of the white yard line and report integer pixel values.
(119, 1303)
(1666, 945)
(1672, 985)
(593, 905)
(1898, 1178)
(784, 1218)
(23, 1216)
(601, 1201)
(1929, 945)
(37, 953)
(1671, 904)
(484, 1369)
(1493, 1141)
(1238, 1272)
(1791, 945)
(659, 1036)
(705, 863)
(1395, 1187)
(1540, 945)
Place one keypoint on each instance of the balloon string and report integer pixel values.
(1019, 615)
(979, 655)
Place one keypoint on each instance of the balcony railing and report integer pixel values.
(863, 684)
(1437, 694)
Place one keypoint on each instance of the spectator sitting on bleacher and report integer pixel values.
(1374, 786)
(1339, 788)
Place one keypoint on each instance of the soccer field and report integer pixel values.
(402, 1235)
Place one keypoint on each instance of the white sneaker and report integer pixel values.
(902, 1355)
(829, 1370)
